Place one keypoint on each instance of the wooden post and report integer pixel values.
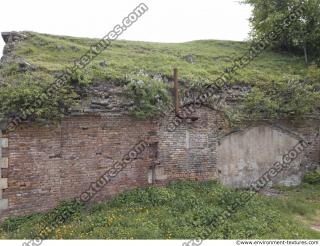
(176, 91)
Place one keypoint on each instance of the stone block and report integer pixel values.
(3, 142)
(4, 162)
(3, 183)
(3, 204)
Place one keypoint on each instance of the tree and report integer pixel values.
(303, 36)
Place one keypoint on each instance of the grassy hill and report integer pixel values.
(271, 94)
(181, 210)
(55, 53)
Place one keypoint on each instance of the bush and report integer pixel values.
(278, 100)
(150, 97)
(10, 225)
(35, 95)
(64, 212)
(312, 177)
(29, 100)
(80, 77)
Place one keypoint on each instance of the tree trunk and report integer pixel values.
(305, 53)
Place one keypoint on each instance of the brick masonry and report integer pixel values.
(51, 164)
(190, 152)
(45, 165)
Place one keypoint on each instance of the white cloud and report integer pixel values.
(166, 20)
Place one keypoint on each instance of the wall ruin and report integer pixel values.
(42, 166)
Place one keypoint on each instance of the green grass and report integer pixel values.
(271, 97)
(54, 53)
(179, 211)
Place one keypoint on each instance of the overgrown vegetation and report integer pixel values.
(27, 98)
(181, 210)
(312, 177)
(268, 75)
(293, 99)
(150, 96)
(25, 93)
(302, 36)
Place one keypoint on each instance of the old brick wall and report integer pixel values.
(190, 152)
(41, 166)
(309, 130)
(47, 165)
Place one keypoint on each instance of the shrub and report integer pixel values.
(35, 96)
(150, 97)
(10, 225)
(278, 100)
(64, 212)
(29, 100)
(80, 77)
(312, 177)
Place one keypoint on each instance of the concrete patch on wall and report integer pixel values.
(244, 156)
(196, 140)
(157, 175)
(3, 164)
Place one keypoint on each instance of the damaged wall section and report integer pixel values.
(244, 156)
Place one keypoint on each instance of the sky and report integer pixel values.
(165, 21)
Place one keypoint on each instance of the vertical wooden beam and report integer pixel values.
(176, 91)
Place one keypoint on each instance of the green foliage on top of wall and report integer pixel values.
(268, 75)
(27, 95)
(280, 100)
(150, 97)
